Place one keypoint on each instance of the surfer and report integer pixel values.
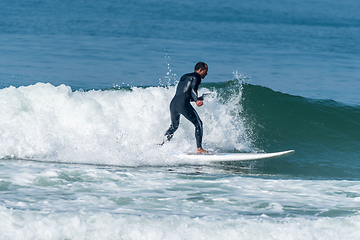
(186, 92)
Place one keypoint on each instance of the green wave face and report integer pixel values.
(324, 133)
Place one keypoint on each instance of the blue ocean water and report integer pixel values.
(85, 88)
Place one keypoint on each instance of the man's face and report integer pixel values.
(203, 72)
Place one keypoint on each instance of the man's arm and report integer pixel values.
(194, 85)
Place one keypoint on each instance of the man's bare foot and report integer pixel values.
(200, 150)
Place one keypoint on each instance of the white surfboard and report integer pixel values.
(225, 157)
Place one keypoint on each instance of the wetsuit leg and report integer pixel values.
(191, 115)
(175, 121)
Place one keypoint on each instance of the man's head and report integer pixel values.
(201, 68)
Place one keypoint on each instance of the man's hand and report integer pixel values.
(199, 103)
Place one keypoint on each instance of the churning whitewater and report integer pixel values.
(44, 122)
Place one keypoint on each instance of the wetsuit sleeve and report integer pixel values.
(194, 87)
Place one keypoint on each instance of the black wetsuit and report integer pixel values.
(186, 91)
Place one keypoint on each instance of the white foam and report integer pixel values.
(85, 225)
(121, 127)
(62, 201)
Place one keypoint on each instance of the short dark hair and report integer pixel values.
(200, 65)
